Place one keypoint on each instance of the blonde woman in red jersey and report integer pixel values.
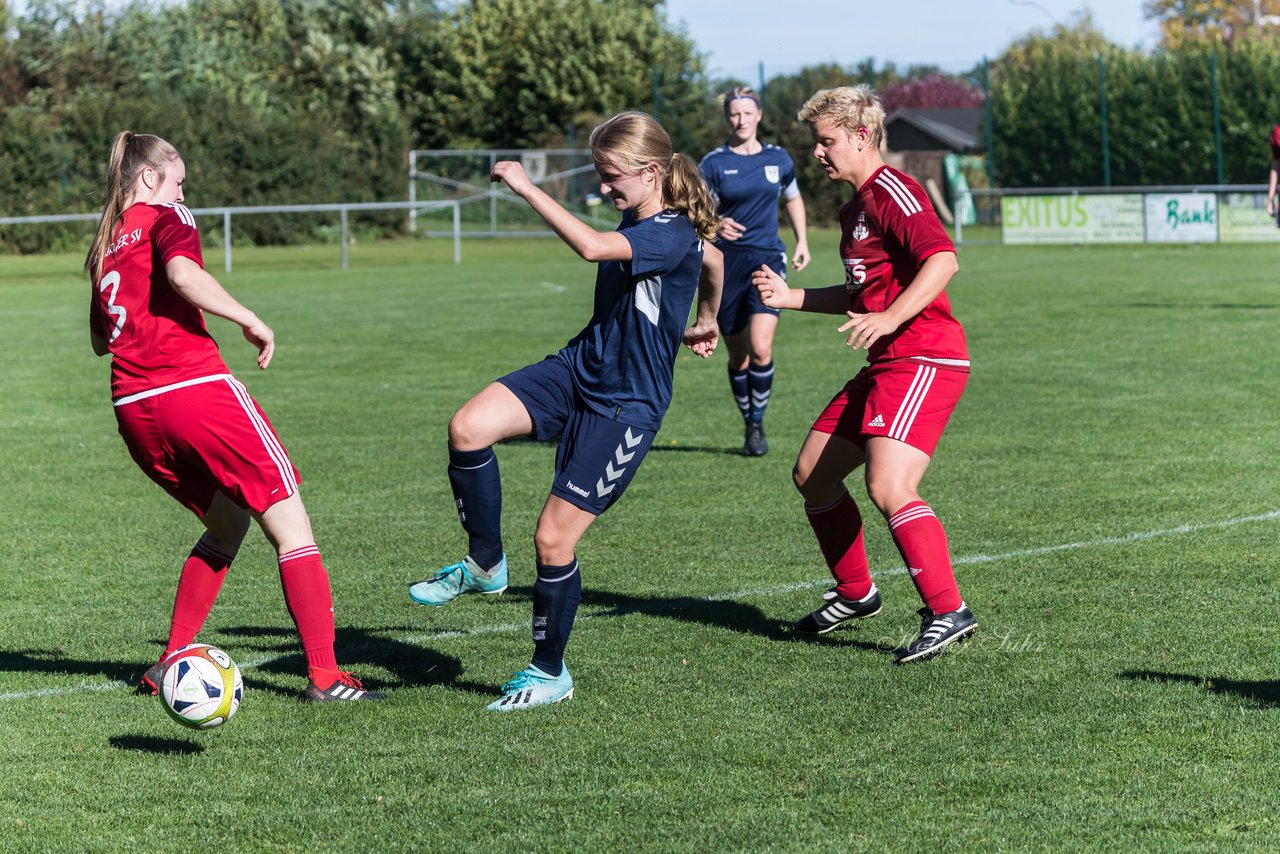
(188, 423)
(898, 260)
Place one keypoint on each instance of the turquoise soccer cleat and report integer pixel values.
(458, 578)
(532, 687)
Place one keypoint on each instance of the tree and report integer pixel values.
(512, 73)
(933, 91)
(1223, 21)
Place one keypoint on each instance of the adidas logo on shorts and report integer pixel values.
(878, 421)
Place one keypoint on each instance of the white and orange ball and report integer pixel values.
(201, 687)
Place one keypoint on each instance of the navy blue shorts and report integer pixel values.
(597, 457)
(740, 299)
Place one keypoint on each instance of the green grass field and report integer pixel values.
(1109, 485)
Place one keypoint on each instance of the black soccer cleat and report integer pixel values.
(937, 632)
(151, 679)
(753, 443)
(837, 611)
(345, 689)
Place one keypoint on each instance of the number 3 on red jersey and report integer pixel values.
(112, 280)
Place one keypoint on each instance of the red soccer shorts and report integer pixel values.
(197, 438)
(903, 399)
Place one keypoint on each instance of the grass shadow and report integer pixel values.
(1262, 692)
(151, 744)
(55, 663)
(724, 614)
(412, 665)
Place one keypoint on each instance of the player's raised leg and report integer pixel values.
(201, 579)
(491, 416)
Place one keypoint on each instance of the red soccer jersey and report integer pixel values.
(156, 337)
(890, 229)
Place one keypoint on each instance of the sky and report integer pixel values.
(952, 34)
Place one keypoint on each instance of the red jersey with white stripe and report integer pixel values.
(890, 229)
(156, 337)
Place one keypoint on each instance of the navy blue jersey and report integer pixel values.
(746, 189)
(623, 360)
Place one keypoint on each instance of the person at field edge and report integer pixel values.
(890, 416)
(604, 394)
(187, 422)
(746, 177)
(1273, 209)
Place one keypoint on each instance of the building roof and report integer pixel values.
(957, 129)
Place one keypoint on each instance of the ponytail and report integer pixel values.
(130, 154)
(686, 191)
(635, 140)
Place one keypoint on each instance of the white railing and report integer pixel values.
(343, 208)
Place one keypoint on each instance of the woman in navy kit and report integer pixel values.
(898, 261)
(188, 423)
(746, 178)
(604, 394)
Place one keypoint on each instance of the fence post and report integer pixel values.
(493, 194)
(226, 238)
(1102, 99)
(342, 215)
(457, 233)
(760, 91)
(989, 121)
(1217, 115)
(413, 190)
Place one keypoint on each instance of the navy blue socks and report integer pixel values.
(760, 383)
(477, 490)
(556, 595)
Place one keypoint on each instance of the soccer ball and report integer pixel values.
(201, 687)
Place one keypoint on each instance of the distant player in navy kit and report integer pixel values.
(746, 178)
(898, 261)
(604, 394)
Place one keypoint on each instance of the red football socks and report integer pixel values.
(202, 575)
(838, 527)
(310, 603)
(923, 545)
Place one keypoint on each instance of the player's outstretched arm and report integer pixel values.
(194, 284)
(776, 293)
(703, 336)
(582, 238)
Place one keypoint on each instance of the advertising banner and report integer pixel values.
(1243, 219)
(1182, 218)
(1073, 218)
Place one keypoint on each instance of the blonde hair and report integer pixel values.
(849, 107)
(130, 154)
(634, 140)
(740, 92)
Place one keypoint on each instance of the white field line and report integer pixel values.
(508, 628)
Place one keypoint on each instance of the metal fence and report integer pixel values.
(342, 208)
(462, 176)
